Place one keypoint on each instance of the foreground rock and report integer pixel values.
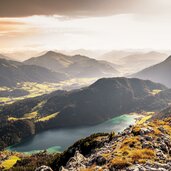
(145, 147)
(44, 168)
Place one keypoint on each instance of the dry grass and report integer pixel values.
(120, 162)
(92, 168)
(143, 120)
(137, 154)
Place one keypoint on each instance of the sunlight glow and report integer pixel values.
(113, 32)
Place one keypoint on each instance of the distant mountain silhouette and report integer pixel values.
(131, 61)
(84, 52)
(12, 72)
(136, 62)
(4, 57)
(157, 73)
(104, 99)
(115, 55)
(75, 66)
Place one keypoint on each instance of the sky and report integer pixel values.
(39, 25)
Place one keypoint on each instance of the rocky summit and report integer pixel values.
(144, 147)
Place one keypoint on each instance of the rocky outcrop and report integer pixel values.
(138, 148)
(151, 167)
(44, 168)
(75, 163)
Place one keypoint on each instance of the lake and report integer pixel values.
(57, 140)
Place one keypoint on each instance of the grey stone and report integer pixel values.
(44, 168)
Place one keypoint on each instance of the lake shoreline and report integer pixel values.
(116, 124)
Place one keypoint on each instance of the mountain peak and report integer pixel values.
(50, 53)
(53, 53)
(159, 73)
(168, 59)
(4, 57)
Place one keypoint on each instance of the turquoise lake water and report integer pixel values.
(57, 140)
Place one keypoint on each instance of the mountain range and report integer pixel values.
(75, 66)
(158, 73)
(12, 72)
(52, 67)
(106, 98)
(5, 57)
(132, 61)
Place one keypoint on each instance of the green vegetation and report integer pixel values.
(9, 163)
(46, 118)
(5, 100)
(22, 162)
(12, 132)
(38, 89)
(31, 115)
(155, 92)
(4, 88)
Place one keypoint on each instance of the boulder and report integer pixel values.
(44, 168)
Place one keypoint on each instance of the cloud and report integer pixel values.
(13, 28)
(70, 8)
(9, 26)
(10, 23)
